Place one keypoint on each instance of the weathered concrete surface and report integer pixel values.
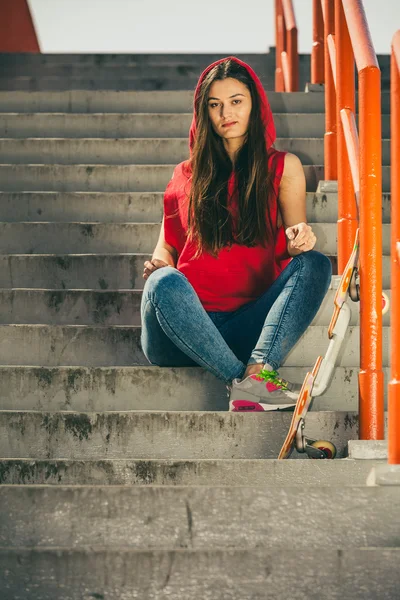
(159, 434)
(199, 517)
(171, 101)
(147, 388)
(257, 574)
(368, 449)
(112, 207)
(95, 346)
(136, 150)
(81, 238)
(100, 271)
(109, 307)
(29, 60)
(135, 207)
(114, 125)
(84, 271)
(113, 178)
(337, 472)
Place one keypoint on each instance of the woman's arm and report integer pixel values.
(292, 207)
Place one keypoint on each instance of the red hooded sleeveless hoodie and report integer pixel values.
(239, 274)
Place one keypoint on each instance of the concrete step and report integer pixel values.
(113, 178)
(178, 71)
(107, 72)
(88, 271)
(133, 101)
(84, 238)
(134, 83)
(149, 388)
(127, 151)
(206, 517)
(166, 125)
(108, 59)
(98, 572)
(339, 472)
(100, 271)
(108, 307)
(121, 59)
(136, 207)
(156, 434)
(95, 346)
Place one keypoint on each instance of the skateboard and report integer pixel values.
(316, 382)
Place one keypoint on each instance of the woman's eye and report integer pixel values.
(216, 103)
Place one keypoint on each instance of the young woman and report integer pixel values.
(243, 282)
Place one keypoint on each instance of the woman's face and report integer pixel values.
(229, 100)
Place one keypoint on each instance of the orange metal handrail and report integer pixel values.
(347, 35)
(287, 58)
(347, 38)
(394, 384)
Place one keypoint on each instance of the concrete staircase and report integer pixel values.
(126, 480)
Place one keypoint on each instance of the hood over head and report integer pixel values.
(266, 113)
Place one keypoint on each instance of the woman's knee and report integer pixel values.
(317, 263)
(164, 277)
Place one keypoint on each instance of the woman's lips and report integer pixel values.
(229, 124)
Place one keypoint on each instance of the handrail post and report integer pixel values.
(330, 138)
(345, 91)
(370, 377)
(394, 384)
(317, 52)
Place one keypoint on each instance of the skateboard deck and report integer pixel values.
(300, 411)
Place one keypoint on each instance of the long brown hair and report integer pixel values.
(210, 223)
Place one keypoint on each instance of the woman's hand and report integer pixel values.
(153, 265)
(301, 239)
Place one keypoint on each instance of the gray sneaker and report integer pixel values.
(262, 391)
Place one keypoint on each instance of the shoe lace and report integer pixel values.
(273, 377)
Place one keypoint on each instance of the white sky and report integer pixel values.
(184, 26)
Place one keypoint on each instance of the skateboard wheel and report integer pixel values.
(385, 303)
(327, 448)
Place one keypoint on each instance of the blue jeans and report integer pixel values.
(178, 332)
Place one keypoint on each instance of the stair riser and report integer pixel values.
(139, 151)
(149, 388)
(95, 59)
(128, 207)
(200, 517)
(52, 125)
(144, 435)
(108, 308)
(110, 178)
(172, 101)
(151, 82)
(182, 574)
(84, 238)
(185, 472)
(48, 345)
(87, 271)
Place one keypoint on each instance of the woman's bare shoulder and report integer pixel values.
(292, 167)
